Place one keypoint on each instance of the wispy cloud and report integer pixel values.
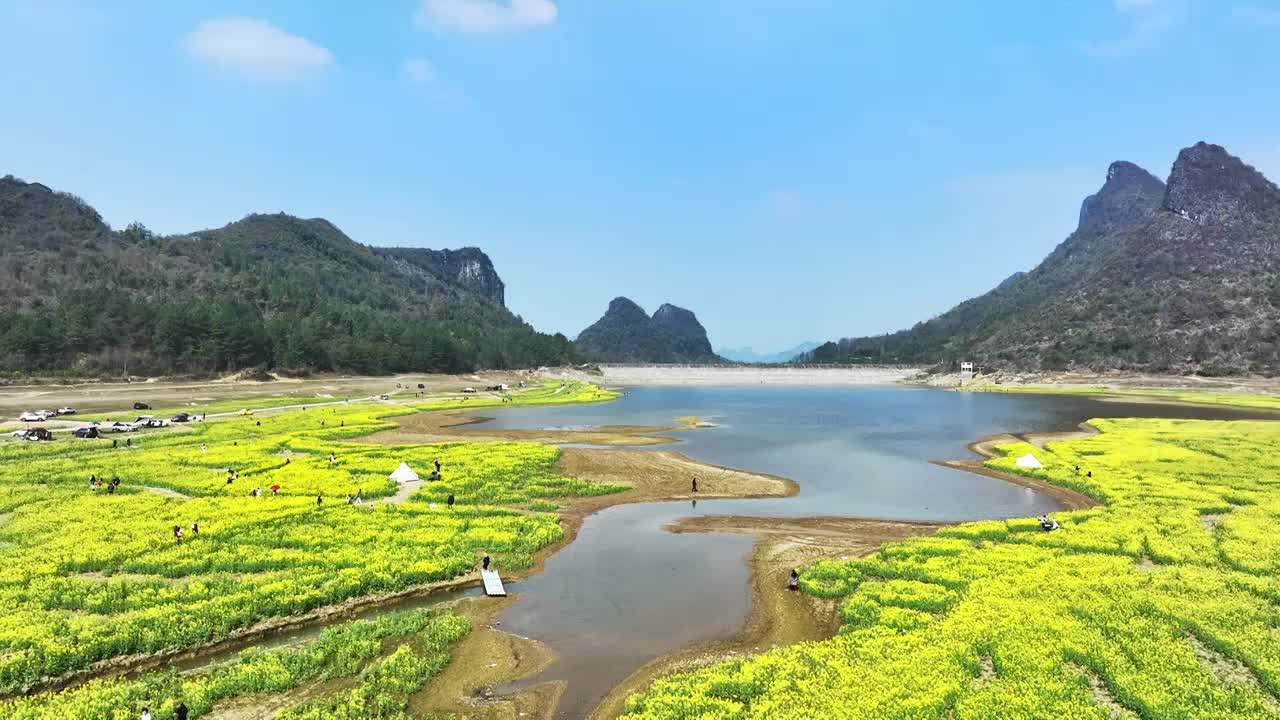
(1260, 16)
(484, 16)
(423, 76)
(1148, 21)
(420, 72)
(255, 49)
(790, 203)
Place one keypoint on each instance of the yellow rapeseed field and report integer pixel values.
(1162, 604)
(88, 574)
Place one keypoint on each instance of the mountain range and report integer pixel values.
(625, 333)
(1180, 276)
(267, 291)
(749, 355)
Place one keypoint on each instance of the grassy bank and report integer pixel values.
(355, 671)
(1162, 603)
(1251, 400)
(89, 577)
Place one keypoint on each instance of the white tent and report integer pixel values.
(404, 474)
(1028, 461)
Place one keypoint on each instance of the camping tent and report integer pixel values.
(1028, 461)
(404, 474)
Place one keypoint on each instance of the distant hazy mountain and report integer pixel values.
(626, 334)
(1182, 277)
(271, 291)
(749, 355)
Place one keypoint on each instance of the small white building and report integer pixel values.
(966, 368)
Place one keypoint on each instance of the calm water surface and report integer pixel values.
(626, 592)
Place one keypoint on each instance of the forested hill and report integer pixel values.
(626, 334)
(1176, 277)
(271, 291)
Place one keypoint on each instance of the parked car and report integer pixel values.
(88, 433)
(154, 422)
(141, 406)
(180, 418)
(31, 417)
(122, 427)
(384, 397)
(468, 390)
(36, 434)
(422, 386)
(66, 410)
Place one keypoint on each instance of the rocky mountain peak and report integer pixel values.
(1129, 197)
(627, 334)
(678, 321)
(625, 309)
(1210, 186)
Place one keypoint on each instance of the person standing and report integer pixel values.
(177, 533)
(794, 583)
(146, 713)
(195, 529)
(180, 712)
(695, 484)
(319, 500)
(437, 466)
(449, 502)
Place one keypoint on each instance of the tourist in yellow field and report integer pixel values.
(146, 713)
(177, 533)
(195, 529)
(319, 501)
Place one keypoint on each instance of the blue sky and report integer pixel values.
(788, 170)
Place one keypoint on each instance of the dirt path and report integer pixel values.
(165, 492)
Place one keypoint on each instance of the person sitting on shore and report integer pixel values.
(794, 583)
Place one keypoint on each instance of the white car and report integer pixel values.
(66, 410)
(468, 390)
(31, 417)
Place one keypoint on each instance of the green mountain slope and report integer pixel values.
(626, 334)
(267, 291)
(1182, 277)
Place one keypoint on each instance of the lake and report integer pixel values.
(626, 591)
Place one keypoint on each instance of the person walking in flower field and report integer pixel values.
(177, 533)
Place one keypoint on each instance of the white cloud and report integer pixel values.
(1149, 20)
(1259, 16)
(420, 72)
(484, 16)
(255, 49)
